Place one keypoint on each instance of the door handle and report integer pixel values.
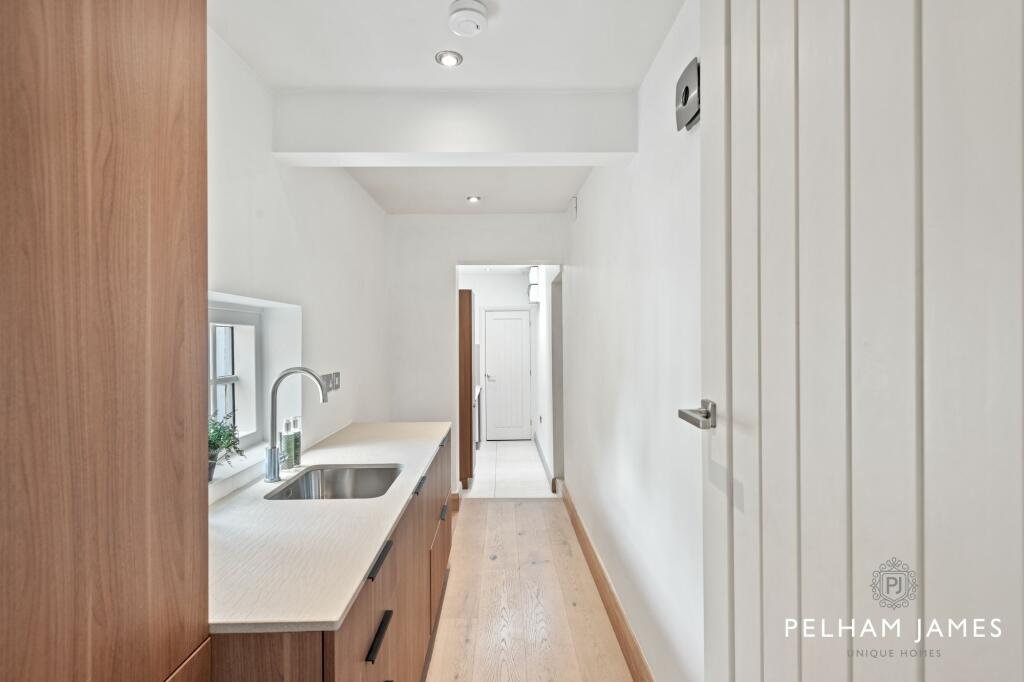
(489, 377)
(704, 418)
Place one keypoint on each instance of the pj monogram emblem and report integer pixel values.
(894, 585)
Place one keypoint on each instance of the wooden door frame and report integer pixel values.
(465, 386)
(557, 386)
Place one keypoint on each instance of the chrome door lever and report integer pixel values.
(704, 418)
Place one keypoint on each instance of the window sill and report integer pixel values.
(227, 478)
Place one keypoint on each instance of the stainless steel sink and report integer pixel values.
(339, 482)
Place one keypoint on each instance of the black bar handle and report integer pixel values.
(444, 512)
(419, 486)
(378, 639)
(379, 561)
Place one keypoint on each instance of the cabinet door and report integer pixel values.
(437, 566)
(345, 649)
(413, 597)
(104, 296)
(439, 550)
(446, 528)
(266, 656)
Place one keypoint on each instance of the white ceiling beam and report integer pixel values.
(441, 129)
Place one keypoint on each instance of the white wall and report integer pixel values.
(542, 380)
(423, 308)
(491, 290)
(310, 237)
(632, 354)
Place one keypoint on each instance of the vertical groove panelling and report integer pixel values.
(781, 488)
(847, 350)
(822, 341)
(919, 397)
(715, 291)
(883, 302)
(746, 423)
(887, 393)
(972, 148)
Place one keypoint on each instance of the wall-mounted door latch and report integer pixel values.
(688, 96)
(704, 418)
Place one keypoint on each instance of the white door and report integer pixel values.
(863, 258)
(507, 374)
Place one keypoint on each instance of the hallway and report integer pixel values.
(509, 468)
(521, 603)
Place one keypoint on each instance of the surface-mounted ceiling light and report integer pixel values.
(473, 199)
(448, 58)
(467, 17)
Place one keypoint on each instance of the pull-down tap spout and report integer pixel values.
(272, 470)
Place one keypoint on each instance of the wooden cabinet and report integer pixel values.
(278, 656)
(438, 566)
(103, 287)
(397, 607)
(439, 525)
(196, 668)
(345, 649)
(411, 600)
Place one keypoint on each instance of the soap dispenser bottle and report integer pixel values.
(288, 445)
(297, 434)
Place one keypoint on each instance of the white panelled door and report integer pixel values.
(507, 374)
(863, 337)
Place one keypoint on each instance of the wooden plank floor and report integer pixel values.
(521, 604)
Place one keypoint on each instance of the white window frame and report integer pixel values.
(232, 314)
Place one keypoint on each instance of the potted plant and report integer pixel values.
(223, 442)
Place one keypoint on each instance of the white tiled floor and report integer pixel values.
(509, 468)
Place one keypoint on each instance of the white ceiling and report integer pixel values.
(444, 190)
(390, 44)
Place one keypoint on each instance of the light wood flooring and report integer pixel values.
(521, 603)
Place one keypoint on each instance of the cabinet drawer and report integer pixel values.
(345, 649)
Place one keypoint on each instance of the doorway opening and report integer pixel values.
(508, 418)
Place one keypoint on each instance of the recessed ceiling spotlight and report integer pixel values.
(448, 58)
(467, 17)
(473, 199)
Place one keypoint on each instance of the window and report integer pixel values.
(234, 372)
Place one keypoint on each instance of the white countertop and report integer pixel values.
(297, 565)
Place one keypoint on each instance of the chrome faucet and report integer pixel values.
(272, 469)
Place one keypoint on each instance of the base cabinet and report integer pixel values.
(386, 634)
(345, 650)
(440, 548)
(280, 656)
